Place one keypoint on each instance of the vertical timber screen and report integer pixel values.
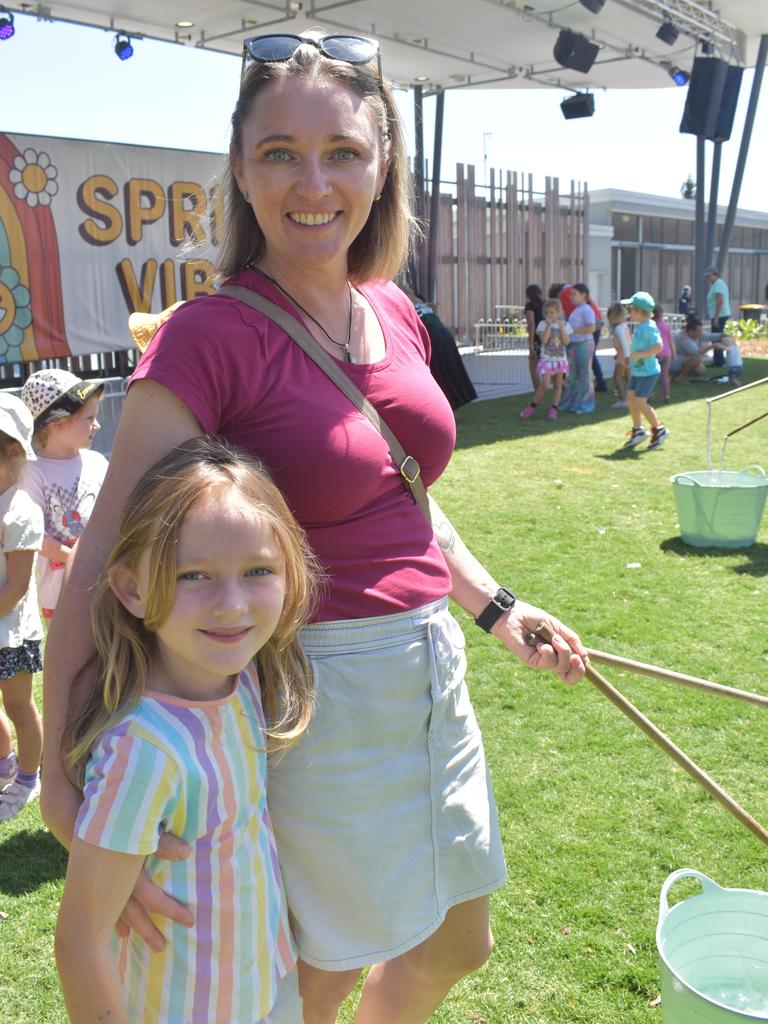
(496, 239)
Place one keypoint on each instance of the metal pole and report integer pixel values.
(418, 186)
(746, 136)
(434, 200)
(699, 237)
(714, 185)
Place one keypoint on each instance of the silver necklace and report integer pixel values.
(343, 345)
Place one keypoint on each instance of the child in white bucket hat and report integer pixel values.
(66, 478)
(21, 631)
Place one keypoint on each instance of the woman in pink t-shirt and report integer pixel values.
(386, 826)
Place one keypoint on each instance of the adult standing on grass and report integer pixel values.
(718, 308)
(385, 819)
(533, 311)
(579, 394)
(564, 293)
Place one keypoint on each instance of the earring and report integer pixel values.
(378, 197)
(246, 197)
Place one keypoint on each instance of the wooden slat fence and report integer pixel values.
(495, 240)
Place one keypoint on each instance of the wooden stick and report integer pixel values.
(642, 669)
(543, 632)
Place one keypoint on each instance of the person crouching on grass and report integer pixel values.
(644, 372)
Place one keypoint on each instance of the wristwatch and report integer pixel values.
(502, 601)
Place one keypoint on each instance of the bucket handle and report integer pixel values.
(706, 884)
(687, 478)
(754, 470)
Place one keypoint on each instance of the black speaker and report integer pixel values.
(580, 105)
(575, 51)
(710, 105)
(727, 112)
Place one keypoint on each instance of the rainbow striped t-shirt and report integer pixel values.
(197, 770)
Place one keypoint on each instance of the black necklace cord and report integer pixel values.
(343, 345)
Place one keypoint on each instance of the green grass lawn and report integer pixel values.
(593, 815)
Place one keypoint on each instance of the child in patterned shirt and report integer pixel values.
(553, 333)
(195, 621)
(66, 478)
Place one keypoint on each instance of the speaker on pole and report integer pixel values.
(573, 50)
(710, 105)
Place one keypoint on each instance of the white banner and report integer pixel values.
(90, 232)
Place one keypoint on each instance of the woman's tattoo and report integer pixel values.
(446, 535)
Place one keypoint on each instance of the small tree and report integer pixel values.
(688, 188)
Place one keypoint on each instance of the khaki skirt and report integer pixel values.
(384, 812)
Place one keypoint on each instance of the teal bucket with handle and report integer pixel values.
(720, 508)
(713, 954)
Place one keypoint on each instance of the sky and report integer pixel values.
(63, 80)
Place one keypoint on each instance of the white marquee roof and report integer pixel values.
(456, 43)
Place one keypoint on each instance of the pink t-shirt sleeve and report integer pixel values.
(191, 355)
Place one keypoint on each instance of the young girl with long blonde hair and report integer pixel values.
(195, 621)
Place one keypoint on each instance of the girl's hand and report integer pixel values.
(566, 656)
(148, 897)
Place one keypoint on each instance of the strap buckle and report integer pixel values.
(410, 470)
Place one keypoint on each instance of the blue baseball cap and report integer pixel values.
(641, 300)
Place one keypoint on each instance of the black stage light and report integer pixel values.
(123, 47)
(678, 76)
(6, 23)
(593, 5)
(575, 51)
(667, 33)
(580, 105)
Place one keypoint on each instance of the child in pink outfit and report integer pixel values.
(668, 351)
(553, 332)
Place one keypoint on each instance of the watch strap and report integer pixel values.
(501, 602)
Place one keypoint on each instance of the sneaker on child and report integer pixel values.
(658, 436)
(15, 798)
(621, 404)
(7, 771)
(635, 436)
(529, 410)
(552, 414)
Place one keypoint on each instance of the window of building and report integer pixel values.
(625, 227)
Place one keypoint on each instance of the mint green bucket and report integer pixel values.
(713, 954)
(718, 508)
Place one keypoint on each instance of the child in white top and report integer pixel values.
(21, 632)
(195, 622)
(553, 333)
(733, 362)
(66, 478)
(622, 343)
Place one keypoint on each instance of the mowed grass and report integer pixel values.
(594, 816)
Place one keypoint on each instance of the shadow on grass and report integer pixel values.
(29, 860)
(755, 557)
(622, 454)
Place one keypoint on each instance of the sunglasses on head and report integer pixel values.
(275, 48)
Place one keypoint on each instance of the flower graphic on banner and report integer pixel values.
(33, 177)
(15, 314)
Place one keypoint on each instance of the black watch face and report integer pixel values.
(505, 598)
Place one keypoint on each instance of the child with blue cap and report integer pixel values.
(644, 372)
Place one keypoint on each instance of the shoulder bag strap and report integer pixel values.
(409, 468)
